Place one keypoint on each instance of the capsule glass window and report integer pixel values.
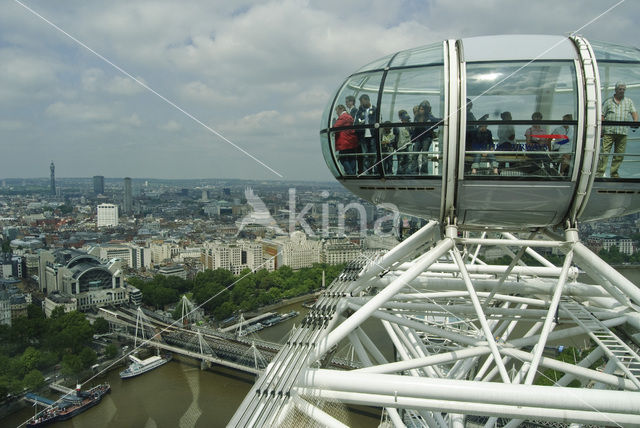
(522, 88)
(620, 140)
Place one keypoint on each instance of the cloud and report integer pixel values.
(259, 72)
(201, 92)
(78, 112)
(120, 85)
(96, 80)
(11, 125)
(171, 126)
(132, 120)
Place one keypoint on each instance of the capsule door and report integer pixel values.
(518, 141)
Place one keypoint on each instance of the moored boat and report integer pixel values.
(138, 366)
(70, 405)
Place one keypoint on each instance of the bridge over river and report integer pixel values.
(225, 348)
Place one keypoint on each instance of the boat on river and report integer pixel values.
(70, 405)
(138, 366)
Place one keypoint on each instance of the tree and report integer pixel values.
(88, 357)
(33, 380)
(31, 358)
(71, 364)
(69, 331)
(6, 246)
(224, 311)
(111, 351)
(101, 325)
(35, 312)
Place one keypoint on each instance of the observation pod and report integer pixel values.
(491, 131)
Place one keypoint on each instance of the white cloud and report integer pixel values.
(171, 126)
(11, 125)
(96, 80)
(120, 85)
(260, 72)
(92, 79)
(132, 120)
(78, 112)
(201, 92)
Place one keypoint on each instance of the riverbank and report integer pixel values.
(283, 303)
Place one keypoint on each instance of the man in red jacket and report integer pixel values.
(346, 141)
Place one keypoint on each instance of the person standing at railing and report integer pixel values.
(366, 115)
(616, 109)
(562, 143)
(346, 142)
(482, 141)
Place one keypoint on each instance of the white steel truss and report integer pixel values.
(443, 339)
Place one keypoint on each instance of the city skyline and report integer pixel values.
(257, 74)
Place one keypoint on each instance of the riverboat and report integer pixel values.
(70, 405)
(138, 366)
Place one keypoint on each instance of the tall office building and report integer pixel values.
(107, 215)
(127, 205)
(98, 185)
(52, 167)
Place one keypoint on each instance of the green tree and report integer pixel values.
(101, 325)
(71, 364)
(65, 209)
(35, 312)
(33, 380)
(69, 331)
(111, 351)
(88, 357)
(224, 311)
(31, 358)
(6, 246)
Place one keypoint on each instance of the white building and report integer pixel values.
(81, 276)
(54, 300)
(234, 257)
(5, 309)
(107, 215)
(131, 255)
(337, 251)
(173, 270)
(295, 251)
(608, 240)
(163, 252)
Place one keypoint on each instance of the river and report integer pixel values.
(179, 394)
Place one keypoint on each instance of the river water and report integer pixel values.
(179, 394)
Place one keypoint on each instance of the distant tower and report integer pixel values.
(98, 185)
(127, 205)
(52, 167)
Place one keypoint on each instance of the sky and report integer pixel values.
(222, 89)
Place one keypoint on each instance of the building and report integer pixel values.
(173, 270)
(163, 252)
(234, 257)
(5, 308)
(84, 277)
(604, 241)
(52, 189)
(54, 300)
(131, 255)
(295, 251)
(11, 266)
(338, 251)
(107, 215)
(98, 185)
(135, 295)
(127, 202)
